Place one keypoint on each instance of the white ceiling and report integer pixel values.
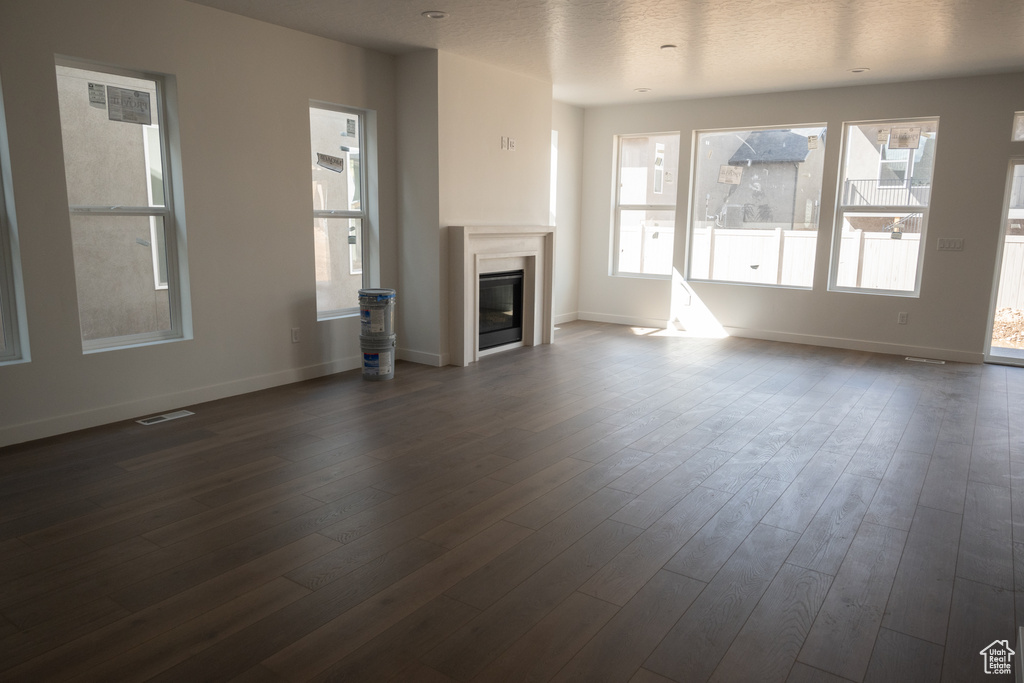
(599, 51)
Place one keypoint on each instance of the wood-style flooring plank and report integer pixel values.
(696, 644)
(630, 636)
(843, 635)
(769, 642)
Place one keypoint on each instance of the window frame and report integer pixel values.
(842, 209)
(691, 221)
(618, 208)
(363, 214)
(13, 350)
(172, 227)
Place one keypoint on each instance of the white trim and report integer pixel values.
(139, 407)
(563, 318)
(436, 360)
(629, 321)
(858, 345)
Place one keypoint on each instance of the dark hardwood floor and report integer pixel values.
(618, 506)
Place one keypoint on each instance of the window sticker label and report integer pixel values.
(97, 96)
(812, 142)
(730, 175)
(130, 106)
(336, 164)
(350, 128)
(905, 138)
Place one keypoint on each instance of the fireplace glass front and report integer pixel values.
(501, 308)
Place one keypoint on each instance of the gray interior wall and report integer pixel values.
(948, 319)
(243, 92)
(567, 120)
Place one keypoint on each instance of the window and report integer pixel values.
(10, 338)
(340, 219)
(883, 205)
(124, 229)
(756, 200)
(645, 206)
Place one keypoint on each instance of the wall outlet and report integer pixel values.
(901, 318)
(504, 143)
(295, 335)
(511, 144)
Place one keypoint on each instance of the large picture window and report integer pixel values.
(124, 230)
(645, 204)
(883, 205)
(340, 223)
(756, 200)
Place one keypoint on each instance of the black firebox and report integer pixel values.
(501, 308)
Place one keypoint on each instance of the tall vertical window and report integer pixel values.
(10, 340)
(883, 205)
(124, 230)
(756, 200)
(340, 219)
(645, 204)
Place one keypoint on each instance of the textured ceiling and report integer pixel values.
(599, 51)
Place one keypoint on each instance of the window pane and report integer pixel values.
(647, 164)
(756, 203)
(114, 276)
(882, 217)
(645, 241)
(338, 275)
(879, 251)
(334, 138)
(106, 121)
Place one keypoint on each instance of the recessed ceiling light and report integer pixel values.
(859, 70)
(435, 14)
(641, 90)
(668, 47)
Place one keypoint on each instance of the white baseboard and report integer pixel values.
(130, 410)
(859, 345)
(566, 318)
(436, 360)
(623, 320)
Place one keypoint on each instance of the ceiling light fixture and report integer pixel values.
(859, 70)
(641, 90)
(668, 47)
(435, 14)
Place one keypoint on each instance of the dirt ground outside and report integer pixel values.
(1008, 331)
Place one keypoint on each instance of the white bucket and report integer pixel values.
(378, 357)
(376, 313)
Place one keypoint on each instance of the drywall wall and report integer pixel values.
(243, 90)
(567, 122)
(419, 288)
(949, 318)
(480, 182)
(455, 113)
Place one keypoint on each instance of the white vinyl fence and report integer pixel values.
(866, 259)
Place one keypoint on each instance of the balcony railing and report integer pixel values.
(874, 192)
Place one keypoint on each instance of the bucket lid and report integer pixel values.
(377, 294)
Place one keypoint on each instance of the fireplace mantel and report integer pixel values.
(473, 250)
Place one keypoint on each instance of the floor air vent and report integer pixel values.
(926, 360)
(156, 419)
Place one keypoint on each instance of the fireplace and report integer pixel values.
(501, 309)
(478, 250)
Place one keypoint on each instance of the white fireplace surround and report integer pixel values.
(473, 250)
